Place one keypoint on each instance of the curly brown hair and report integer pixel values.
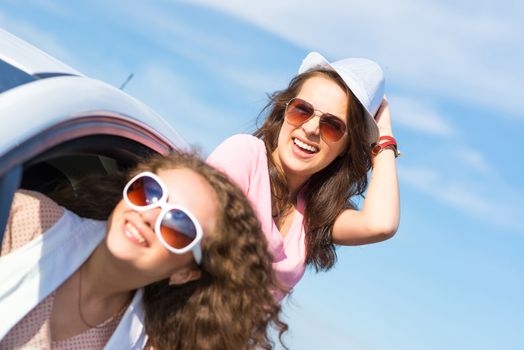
(330, 190)
(232, 305)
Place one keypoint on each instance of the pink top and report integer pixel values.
(31, 215)
(243, 158)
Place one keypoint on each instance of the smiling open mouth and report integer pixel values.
(304, 146)
(132, 232)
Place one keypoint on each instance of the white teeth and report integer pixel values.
(305, 145)
(133, 231)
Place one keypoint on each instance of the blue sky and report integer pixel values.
(453, 276)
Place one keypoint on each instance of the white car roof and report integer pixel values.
(28, 58)
(29, 108)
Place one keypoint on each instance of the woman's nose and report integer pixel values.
(150, 216)
(312, 126)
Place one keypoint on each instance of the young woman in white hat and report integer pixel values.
(311, 156)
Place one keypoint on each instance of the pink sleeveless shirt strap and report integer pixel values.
(243, 158)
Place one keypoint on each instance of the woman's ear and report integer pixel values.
(184, 275)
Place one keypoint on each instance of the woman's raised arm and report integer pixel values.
(379, 217)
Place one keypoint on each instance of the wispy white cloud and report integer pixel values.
(178, 33)
(177, 99)
(420, 116)
(474, 158)
(215, 51)
(54, 8)
(498, 204)
(176, 91)
(41, 39)
(327, 332)
(464, 52)
(252, 81)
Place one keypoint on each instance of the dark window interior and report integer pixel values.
(66, 163)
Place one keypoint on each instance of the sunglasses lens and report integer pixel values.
(332, 128)
(177, 229)
(298, 111)
(144, 191)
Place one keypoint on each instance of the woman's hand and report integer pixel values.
(380, 215)
(383, 118)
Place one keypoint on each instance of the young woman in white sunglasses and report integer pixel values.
(179, 263)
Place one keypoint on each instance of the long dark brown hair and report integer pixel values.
(330, 190)
(232, 305)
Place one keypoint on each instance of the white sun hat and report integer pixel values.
(363, 77)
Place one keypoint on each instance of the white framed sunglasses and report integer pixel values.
(176, 227)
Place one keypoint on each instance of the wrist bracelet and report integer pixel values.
(383, 143)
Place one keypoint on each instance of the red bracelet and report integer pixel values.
(387, 138)
(388, 142)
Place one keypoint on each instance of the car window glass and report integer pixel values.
(9, 183)
(11, 76)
